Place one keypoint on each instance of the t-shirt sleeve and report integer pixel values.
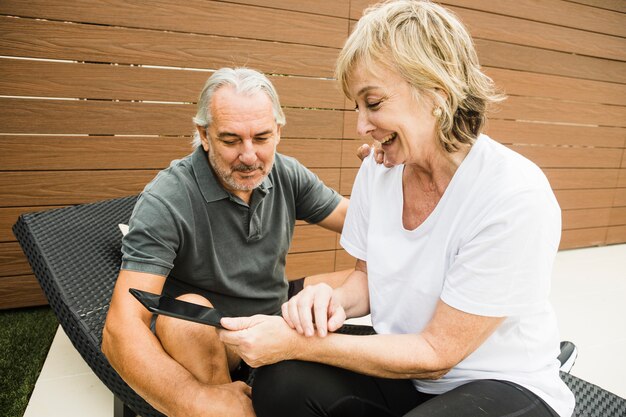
(152, 239)
(354, 234)
(314, 200)
(504, 266)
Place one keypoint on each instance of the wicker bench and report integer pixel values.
(75, 254)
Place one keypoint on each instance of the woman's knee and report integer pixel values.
(292, 388)
(279, 382)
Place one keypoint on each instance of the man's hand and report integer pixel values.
(314, 304)
(260, 340)
(379, 154)
(233, 399)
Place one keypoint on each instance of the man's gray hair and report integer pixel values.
(244, 81)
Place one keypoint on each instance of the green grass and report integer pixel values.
(25, 338)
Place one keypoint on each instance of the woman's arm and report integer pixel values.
(449, 338)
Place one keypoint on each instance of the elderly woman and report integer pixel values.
(455, 237)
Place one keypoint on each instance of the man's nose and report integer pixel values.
(363, 125)
(247, 155)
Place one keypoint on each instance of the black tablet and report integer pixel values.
(168, 306)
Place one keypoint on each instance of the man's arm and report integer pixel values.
(334, 221)
(137, 355)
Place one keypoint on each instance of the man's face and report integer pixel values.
(241, 140)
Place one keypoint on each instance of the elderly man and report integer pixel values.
(214, 228)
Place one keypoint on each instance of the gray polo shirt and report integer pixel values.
(187, 227)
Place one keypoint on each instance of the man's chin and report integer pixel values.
(246, 184)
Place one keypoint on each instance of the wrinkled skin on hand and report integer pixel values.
(315, 307)
(260, 340)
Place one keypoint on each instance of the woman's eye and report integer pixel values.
(374, 105)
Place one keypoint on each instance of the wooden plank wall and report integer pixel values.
(96, 96)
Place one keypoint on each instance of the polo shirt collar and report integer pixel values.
(208, 183)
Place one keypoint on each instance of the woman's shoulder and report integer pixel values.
(500, 165)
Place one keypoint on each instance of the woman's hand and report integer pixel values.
(316, 306)
(260, 340)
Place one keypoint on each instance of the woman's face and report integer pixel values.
(390, 112)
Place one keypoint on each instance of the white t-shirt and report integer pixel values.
(487, 249)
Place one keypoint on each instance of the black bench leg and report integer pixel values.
(120, 409)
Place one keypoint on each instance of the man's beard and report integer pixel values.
(226, 173)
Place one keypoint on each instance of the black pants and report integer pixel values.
(305, 389)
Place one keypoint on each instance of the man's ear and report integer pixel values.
(202, 132)
(279, 130)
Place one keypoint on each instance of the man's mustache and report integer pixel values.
(247, 168)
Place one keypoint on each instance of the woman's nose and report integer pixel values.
(363, 125)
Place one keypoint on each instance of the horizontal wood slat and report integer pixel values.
(309, 263)
(541, 35)
(585, 199)
(339, 8)
(579, 238)
(45, 188)
(525, 58)
(192, 16)
(620, 197)
(616, 5)
(522, 83)
(310, 238)
(20, 291)
(582, 178)
(575, 13)
(54, 40)
(12, 260)
(343, 260)
(616, 235)
(564, 157)
(557, 111)
(19, 189)
(503, 27)
(589, 218)
(95, 117)
(117, 152)
(558, 12)
(9, 215)
(509, 131)
(618, 216)
(33, 78)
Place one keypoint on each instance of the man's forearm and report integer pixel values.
(141, 361)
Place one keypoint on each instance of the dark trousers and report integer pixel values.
(305, 389)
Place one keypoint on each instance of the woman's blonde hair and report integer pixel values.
(431, 49)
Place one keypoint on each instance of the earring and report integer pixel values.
(437, 112)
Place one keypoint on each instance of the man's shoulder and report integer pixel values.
(174, 183)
